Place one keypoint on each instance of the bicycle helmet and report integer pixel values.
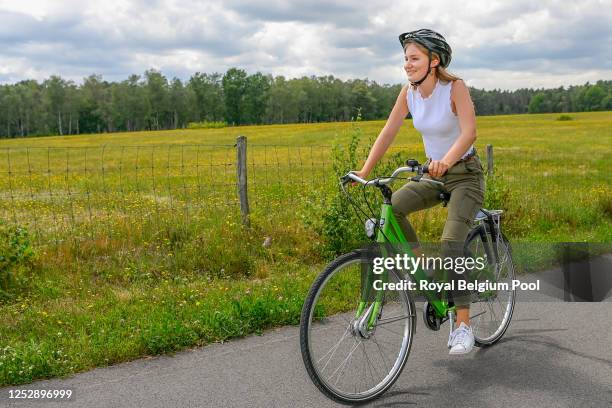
(433, 42)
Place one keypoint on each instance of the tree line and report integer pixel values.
(57, 106)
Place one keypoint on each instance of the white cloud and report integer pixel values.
(496, 44)
(38, 9)
(479, 78)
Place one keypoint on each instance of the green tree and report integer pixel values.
(256, 94)
(234, 86)
(25, 94)
(137, 105)
(71, 107)
(536, 105)
(55, 96)
(362, 100)
(593, 97)
(606, 103)
(8, 109)
(207, 90)
(94, 109)
(156, 86)
(178, 103)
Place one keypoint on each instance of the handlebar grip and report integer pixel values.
(415, 163)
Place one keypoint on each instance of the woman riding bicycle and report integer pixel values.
(443, 112)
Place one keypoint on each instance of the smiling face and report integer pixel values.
(415, 63)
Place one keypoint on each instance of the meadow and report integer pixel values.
(131, 244)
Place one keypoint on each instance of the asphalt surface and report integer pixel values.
(554, 354)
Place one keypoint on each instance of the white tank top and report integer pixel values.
(433, 117)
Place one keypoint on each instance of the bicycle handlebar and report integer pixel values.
(411, 166)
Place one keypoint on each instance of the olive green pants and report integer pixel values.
(466, 185)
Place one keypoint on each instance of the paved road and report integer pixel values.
(554, 354)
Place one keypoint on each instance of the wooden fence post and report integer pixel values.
(241, 174)
(489, 160)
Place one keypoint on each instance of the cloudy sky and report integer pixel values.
(496, 44)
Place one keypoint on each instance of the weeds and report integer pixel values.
(16, 260)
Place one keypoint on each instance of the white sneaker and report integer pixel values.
(461, 341)
(451, 337)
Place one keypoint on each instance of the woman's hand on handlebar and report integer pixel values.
(437, 168)
(361, 173)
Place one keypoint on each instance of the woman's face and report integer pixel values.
(415, 63)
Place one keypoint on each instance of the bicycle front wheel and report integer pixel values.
(354, 340)
(491, 310)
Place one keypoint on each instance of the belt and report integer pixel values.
(469, 157)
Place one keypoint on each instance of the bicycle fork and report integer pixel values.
(366, 316)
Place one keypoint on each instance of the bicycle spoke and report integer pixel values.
(501, 306)
(380, 351)
(333, 349)
(343, 364)
(477, 314)
(492, 312)
(391, 331)
(391, 320)
(477, 325)
(370, 366)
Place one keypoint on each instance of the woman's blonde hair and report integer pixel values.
(441, 72)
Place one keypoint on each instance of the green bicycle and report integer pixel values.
(356, 337)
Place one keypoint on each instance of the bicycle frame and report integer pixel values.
(389, 232)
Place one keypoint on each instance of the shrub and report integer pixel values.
(498, 194)
(605, 205)
(16, 257)
(565, 117)
(342, 226)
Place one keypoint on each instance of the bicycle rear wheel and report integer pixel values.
(347, 359)
(491, 310)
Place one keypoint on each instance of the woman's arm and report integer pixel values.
(460, 95)
(387, 134)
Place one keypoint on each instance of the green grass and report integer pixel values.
(96, 326)
(139, 247)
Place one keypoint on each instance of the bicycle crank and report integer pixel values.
(432, 321)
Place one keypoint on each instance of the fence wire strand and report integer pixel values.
(71, 194)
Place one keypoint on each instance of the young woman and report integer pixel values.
(443, 112)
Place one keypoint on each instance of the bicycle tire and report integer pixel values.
(503, 245)
(306, 342)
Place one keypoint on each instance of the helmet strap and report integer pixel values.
(419, 82)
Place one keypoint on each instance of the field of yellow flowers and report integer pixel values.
(137, 246)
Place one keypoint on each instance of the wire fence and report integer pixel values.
(76, 194)
(82, 193)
